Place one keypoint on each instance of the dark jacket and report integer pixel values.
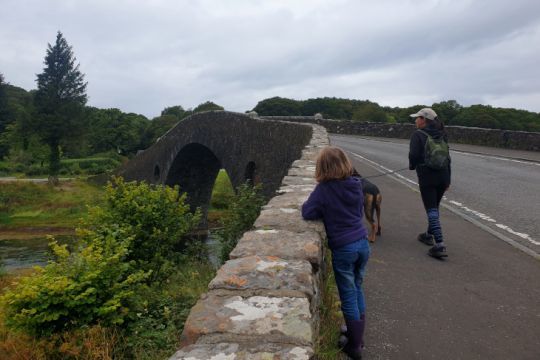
(339, 204)
(427, 176)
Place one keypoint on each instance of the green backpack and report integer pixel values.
(436, 152)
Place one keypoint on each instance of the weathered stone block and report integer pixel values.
(299, 180)
(305, 171)
(286, 219)
(310, 154)
(292, 199)
(302, 163)
(284, 244)
(256, 351)
(296, 188)
(258, 318)
(255, 275)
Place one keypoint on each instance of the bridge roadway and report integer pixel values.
(483, 302)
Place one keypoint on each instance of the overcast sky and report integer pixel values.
(142, 56)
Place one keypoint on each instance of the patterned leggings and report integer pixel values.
(431, 197)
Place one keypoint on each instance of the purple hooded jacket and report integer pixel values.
(339, 203)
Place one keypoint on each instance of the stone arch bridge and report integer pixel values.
(248, 148)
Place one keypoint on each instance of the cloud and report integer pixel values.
(144, 56)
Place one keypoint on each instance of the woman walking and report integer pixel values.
(429, 156)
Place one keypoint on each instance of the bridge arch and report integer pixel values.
(250, 175)
(194, 150)
(194, 169)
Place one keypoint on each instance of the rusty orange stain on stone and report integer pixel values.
(236, 281)
(272, 258)
(311, 247)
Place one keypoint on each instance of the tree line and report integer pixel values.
(54, 122)
(451, 112)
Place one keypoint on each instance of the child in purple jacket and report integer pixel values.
(338, 201)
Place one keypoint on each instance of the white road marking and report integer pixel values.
(465, 153)
(462, 207)
(379, 167)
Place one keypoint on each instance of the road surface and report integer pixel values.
(483, 301)
(499, 192)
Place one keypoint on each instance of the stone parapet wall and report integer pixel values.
(518, 140)
(263, 303)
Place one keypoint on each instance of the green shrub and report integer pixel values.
(4, 167)
(124, 247)
(36, 169)
(155, 217)
(63, 171)
(19, 168)
(92, 165)
(153, 334)
(94, 284)
(243, 211)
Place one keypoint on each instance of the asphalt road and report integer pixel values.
(496, 188)
(482, 302)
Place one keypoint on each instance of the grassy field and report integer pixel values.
(38, 209)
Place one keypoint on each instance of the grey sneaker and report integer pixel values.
(438, 252)
(426, 239)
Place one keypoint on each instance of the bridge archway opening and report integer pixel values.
(250, 174)
(222, 193)
(195, 169)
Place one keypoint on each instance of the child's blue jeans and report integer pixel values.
(349, 264)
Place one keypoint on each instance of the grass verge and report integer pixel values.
(331, 317)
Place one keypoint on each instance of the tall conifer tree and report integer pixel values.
(3, 117)
(59, 100)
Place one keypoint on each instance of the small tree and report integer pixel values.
(59, 100)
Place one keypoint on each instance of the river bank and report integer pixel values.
(28, 233)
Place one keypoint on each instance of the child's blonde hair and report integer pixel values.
(332, 164)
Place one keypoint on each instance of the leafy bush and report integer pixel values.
(154, 332)
(95, 284)
(35, 169)
(125, 246)
(4, 168)
(156, 218)
(92, 165)
(243, 211)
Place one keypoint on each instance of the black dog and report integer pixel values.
(372, 204)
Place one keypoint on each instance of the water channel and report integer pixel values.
(16, 254)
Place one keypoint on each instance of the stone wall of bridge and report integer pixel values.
(519, 140)
(191, 154)
(263, 302)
